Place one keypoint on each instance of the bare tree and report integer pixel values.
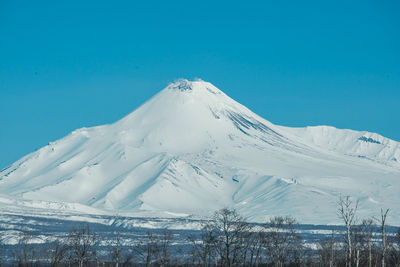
(384, 235)
(254, 248)
(56, 252)
(347, 212)
(364, 242)
(25, 253)
(327, 250)
(147, 251)
(361, 237)
(229, 230)
(222, 240)
(164, 246)
(81, 243)
(282, 242)
(117, 251)
(394, 252)
(119, 254)
(2, 254)
(203, 250)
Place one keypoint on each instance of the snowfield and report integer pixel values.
(191, 150)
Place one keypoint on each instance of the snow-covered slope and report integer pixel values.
(191, 150)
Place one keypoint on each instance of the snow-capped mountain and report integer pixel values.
(192, 150)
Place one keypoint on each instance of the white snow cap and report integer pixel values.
(197, 84)
(181, 85)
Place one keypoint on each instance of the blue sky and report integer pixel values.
(66, 65)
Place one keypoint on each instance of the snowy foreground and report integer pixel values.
(191, 150)
(52, 225)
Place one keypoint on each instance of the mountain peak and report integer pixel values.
(181, 85)
(198, 85)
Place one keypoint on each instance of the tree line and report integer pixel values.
(226, 240)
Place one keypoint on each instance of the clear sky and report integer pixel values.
(71, 64)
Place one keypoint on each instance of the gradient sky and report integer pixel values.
(66, 65)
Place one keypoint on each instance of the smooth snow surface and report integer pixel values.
(191, 150)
